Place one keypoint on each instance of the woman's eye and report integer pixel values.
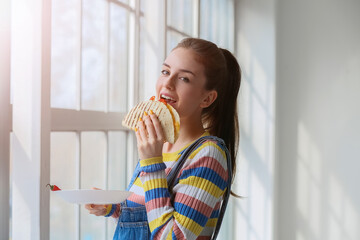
(164, 72)
(185, 79)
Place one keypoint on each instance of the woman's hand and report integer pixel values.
(150, 136)
(97, 209)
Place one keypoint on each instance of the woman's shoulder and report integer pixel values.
(209, 157)
(210, 144)
(210, 148)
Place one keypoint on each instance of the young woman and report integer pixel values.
(201, 81)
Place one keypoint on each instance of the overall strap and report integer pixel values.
(172, 176)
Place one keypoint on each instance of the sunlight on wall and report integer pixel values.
(255, 95)
(344, 220)
(260, 206)
(245, 123)
(309, 170)
(260, 125)
(325, 210)
(300, 236)
(254, 181)
(336, 206)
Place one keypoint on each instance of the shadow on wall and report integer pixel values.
(322, 200)
(318, 70)
(318, 67)
(252, 216)
(318, 188)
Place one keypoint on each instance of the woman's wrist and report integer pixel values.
(110, 209)
(113, 210)
(153, 164)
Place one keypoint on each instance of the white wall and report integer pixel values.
(255, 44)
(318, 96)
(313, 50)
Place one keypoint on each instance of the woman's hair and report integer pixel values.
(223, 74)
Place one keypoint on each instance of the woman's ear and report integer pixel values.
(209, 99)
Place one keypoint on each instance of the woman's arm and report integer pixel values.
(202, 183)
(107, 210)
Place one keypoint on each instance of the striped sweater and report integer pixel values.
(197, 197)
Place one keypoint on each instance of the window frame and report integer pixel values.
(79, 120)
(73, 120)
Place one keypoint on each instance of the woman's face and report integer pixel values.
(182, 83)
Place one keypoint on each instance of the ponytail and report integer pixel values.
(222, 116)
(223, 74)
(229, 128)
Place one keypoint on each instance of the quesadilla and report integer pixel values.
(167, 115)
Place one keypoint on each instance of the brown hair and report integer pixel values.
(223, 74)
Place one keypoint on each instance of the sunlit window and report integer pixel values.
(90, 60)
(105, 56)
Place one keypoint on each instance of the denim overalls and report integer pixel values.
(133, 224)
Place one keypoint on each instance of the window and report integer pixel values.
(93, 54)
(105, 56)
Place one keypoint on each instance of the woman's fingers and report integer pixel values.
(157, 126)
(98, 213)
(96, 209)
(138, 137)
(101, 211)
(150, 127)
(149, 136)
(89, 206)
(142, 130)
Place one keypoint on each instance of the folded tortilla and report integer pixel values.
(167, 115)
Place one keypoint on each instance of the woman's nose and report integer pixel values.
(170, 82)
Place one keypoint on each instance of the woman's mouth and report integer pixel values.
(168, 99)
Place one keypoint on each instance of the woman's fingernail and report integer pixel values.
(145, 113)
(135, 129)
(140, 119)
(151, 112)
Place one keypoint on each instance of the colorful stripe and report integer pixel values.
(151, 161)
(195, 208)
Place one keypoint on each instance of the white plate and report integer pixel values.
(93, 196)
